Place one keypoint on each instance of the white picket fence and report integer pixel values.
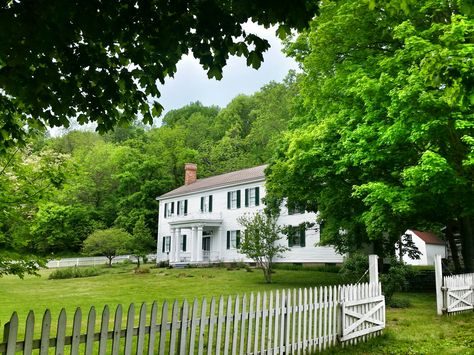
(280, 322)
(91, 261)
(454, 293)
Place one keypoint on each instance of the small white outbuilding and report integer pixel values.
(428, 244)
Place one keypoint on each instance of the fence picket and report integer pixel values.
(320, 320)
(294, 344)
(104, 330)
(202, 326)
(242, 327)
(174, 327)
(90, 331)
(264, 323)
(45, 332)
(117, 330)
(194, 322)
(288, 322)
(300, 320)
(11, 333)
(183, 334)
(329, 317)
(270, 324)
(310, 320)
(276, 325)
(257, 324)
(212, 320)
(141, 329)
(220, 321)
(163, 328)
(76, 332)
(228, 322)
(305, 320)
(29, 333)
(153, 330)
(129, 330)
(249, 330)
(61, 332)
(237, 316)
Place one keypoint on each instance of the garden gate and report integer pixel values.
(454, 293)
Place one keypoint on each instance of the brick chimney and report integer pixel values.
(190, 174)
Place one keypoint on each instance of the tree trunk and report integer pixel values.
(449, 233)
(138, 262)
(467, 241)
(110, 260)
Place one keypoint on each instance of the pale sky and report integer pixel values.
(191, 83)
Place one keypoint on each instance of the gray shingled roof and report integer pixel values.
(232, 178)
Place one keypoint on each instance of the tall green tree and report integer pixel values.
(100, 61)
(383, 141)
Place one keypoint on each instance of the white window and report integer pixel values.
(233, 199)
(252, 197)
(182, 209)
(169, 209)
(166, 245)
(233, 239)
(206, 203)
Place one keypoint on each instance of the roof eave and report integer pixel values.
(214, 187)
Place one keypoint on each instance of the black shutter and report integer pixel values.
(166, 210)
(291, 239)
(228, 200)
(257, 196)
(172, 207)
(228, 239)
(185, 207)
(163, 246)
(237, 238)
(302, 236)
(202, 204)
(210, 203)
(246, 197)
(238, 198)
(184, 242)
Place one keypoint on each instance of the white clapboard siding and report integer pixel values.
(296, 321)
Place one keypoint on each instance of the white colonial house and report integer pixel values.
(198, 221)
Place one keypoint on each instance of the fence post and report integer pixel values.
(374, 269)
(439, 284)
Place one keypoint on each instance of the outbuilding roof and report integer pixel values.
(235, 177)
(429, 238)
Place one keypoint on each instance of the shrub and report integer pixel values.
(142, 270)
(73, 273)
(163, 263)
(395, 279)
(355, 268)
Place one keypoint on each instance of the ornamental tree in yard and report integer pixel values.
(107, 242)
(259, 242)
(384, 138)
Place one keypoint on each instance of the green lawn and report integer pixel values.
(414, 330)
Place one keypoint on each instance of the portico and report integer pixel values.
(203, 241)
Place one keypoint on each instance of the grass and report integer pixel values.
(414, 330)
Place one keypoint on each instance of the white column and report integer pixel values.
(218, 243)
(172, 247)
(193, 246)
(199, 244)
(177, 244)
